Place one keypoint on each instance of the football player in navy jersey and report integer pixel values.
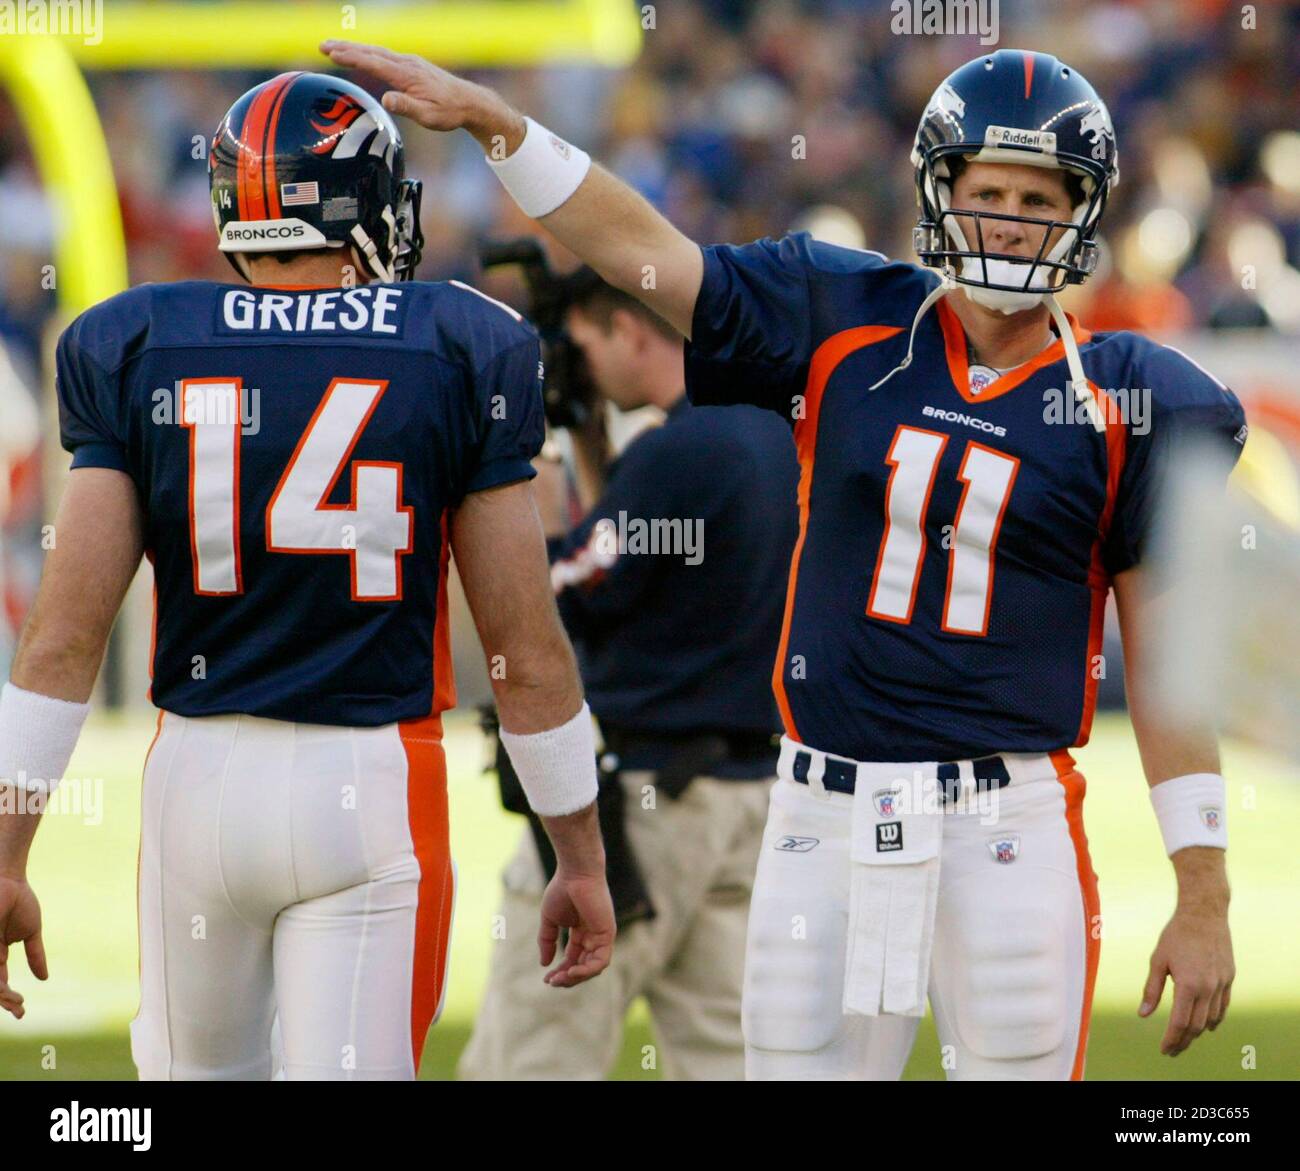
(298, 454)
(978, 471)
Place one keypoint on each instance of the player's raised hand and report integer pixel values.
(433, 97)
(580, 903)
(20, 920)
(1195, 949)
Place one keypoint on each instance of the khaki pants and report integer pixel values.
(697, 855)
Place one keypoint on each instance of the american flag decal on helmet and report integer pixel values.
(299, 193)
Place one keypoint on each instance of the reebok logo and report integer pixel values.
(794, 845)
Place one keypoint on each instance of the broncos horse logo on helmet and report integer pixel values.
(1013, 107)
(1097, 128)
(305, 161)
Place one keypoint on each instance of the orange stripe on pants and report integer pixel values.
(1075, 788)
(426, 790)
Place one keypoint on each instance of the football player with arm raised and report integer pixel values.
(997, 416)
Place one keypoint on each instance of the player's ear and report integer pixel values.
(628, 327)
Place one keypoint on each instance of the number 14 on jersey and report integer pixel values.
(373, 529)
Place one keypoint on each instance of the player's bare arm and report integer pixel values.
(604, 221)
(98, 544)
(496, 538)
(1195, 948)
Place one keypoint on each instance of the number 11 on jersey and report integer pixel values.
(987, 477)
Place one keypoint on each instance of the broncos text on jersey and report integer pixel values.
(947, 591)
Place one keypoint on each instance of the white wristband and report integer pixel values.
(37, 736)
(557, 768)
(543, 172)
(1192, 811)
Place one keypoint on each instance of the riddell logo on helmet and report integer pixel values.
(1043, 140)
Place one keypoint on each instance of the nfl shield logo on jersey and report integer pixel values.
(886, 801)
(1005, 849)
(981, 376)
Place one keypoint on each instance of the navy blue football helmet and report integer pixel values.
(307, 160)
(1013, 107)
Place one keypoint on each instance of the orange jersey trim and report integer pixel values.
(1098, 579)
(825, 360)
(444, 676)
(954, 345)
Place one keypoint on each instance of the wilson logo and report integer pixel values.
(889, 836)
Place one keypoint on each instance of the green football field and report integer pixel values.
(84, 864)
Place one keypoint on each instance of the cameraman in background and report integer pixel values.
(676, 626)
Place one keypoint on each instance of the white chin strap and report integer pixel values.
(369, 253)
(947, 284)
(1078, 379)
(1073, 361)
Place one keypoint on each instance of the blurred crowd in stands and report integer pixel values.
(745, 118)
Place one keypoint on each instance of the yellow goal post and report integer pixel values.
(41, 67)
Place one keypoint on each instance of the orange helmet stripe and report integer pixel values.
(251, 187)
(269, 180)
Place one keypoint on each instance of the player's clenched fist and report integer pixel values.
(431, 96)
(580, 903)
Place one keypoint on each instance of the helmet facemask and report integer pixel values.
(953, 239)
(390, 249)
(410, 238)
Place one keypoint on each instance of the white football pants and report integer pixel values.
(298, 870)
(1015, 943)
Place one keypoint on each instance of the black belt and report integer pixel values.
(841, 776)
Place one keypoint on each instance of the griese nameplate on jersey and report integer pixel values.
(370, 309)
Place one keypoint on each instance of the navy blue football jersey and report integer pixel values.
(296, 452)
(947, 591)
